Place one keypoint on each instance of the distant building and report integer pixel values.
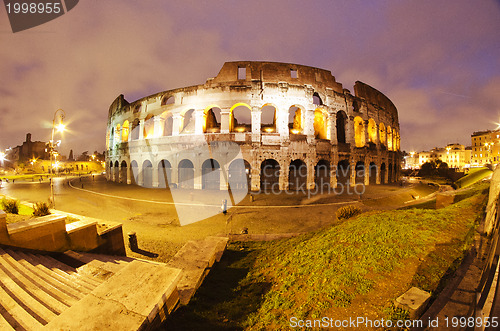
(485, 148)
(457, 156)
(28, 150)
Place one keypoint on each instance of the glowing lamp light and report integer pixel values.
(61, 127)
(56, 165)
(2, 156)
(295, 131)
(269, 130)
(240, 129)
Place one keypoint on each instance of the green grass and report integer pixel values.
(472, 177)
(329, 272)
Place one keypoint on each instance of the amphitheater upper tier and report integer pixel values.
(282, 116)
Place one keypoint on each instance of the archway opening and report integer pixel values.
(322, 174)
(212, 120)
(359, 131)
(241, 119)
(295, 120)
(390, 174)
(240, 177)
(117, 171)
(125, 131)
(134, 168)
(360, 172)
(373, 173)
(317, 99)
(389, 138)
(383, 172)
(149, 127)
(147, 174)
(372, 131)
(297, 175)
(164, 173)
(341, 119)
(269, 175)
(167, 122)
(167, 100)
(268, 119)
(136, 127)
(320, 124)
(186, 174)
(188, 122)
(123, 172)
(382, 134)
(210, 175)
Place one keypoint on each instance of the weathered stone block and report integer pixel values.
(414, 301)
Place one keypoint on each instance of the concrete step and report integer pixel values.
(15, 312)
(67, 271)
(56, 288)
(25, 294)
(4, 324)
(73, 286)
(97, 265)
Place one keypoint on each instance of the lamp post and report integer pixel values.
(60, 128)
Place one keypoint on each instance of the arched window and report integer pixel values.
(317, 99)
(186, 174)
(136, 127)
(372, 131)
(389, 138)
(149, 127)
(340, 126)
(167, 100)
(188, 123)
(241, 118)
(295, 120)
(125, 131)
(212, 120)
(147, 174)
(359, 131)
(117, 137)
(320, 124)
(297, 175)
(268, 119)
(166, 120)
(210, 175)
(382, 133)
(269, 175)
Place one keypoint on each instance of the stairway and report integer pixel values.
(36, 288)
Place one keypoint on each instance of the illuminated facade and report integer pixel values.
(457, 156)
(282, 116)
(485, 148)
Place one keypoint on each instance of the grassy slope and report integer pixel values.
(473, 177)
(356, 268)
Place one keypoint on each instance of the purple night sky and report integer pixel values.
(438, 61)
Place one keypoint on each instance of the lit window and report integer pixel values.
(293, 73)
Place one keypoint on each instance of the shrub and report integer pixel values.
(347, 212)
(10, 206)
(41, 209)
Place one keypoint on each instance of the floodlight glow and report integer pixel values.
(61, 127)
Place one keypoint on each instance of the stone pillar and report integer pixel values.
(176, 124)
(281, 123)
(224, 179)
(377, 137)
(367, 174)
(140, 175)
(256, 126)
(333, 176)
(174, 176)
(141, 129)
(129, 174)
(224, 120)
(308, 122)
(255, 179)
(283, 180)
(377, 178)
(352, 166)
(367, 135)
(310, 175)
(155, 181)
(199, 117)
(198, 180)
(349, 131)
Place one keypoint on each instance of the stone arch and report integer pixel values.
(268, 118)
(297, 175)
(296, 119)
(167, 100)
(240, 118)
(382, 133)
(320, 124)
(123, 172)
(372, 131)
(269, 175)
(164, 173)
(186, 174)
(360, 172)
(359, 132)
(210, 175)
(149, 127)
(125, 130)
(383, 171)
(116, 171)
(317, 99)
(340, 122)
(137, 108)
(240, 177)
(343, 172)
(167, 123)
(389, 138)
(322, 174)
(373, 173)
(188, 122)
(134, 168)
(212, 119)
(147, 174)
(136, 128)
(389, 177)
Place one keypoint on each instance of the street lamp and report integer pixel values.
(60, 127)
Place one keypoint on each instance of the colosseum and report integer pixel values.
(294, 127)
